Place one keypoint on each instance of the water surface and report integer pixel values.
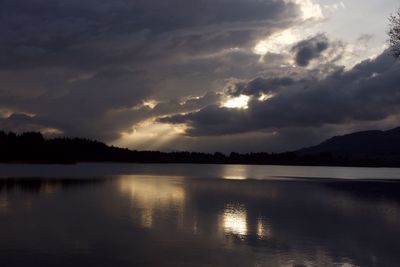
(198, 215)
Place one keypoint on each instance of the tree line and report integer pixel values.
(32, 147)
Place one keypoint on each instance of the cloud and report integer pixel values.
(368, 92)
(83, 67)
(86, 68)
(259, 85)
(103, 32)
(310, 49)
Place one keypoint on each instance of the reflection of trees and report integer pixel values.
(40, 185)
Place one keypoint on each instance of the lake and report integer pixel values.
(198, 215)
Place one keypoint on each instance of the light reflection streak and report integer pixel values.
(153, 195)
(263, 229)
(146, 218)
(235, 172)
(234, 220)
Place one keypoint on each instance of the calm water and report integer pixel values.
(198, 215)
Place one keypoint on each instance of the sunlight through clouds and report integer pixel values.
(277, 43)
(113, 80)
(150, 103)
(309, 9)
(265, 97)
(335, 6)
(150, 135)
(240, 102)
(280, 42)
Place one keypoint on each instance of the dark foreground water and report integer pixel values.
(198, 215)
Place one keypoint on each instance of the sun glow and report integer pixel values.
(240, 102)
(279, 42)
(308, 8)
(150, 135)
(150, 103)
(276, 42)
(5, 113)
(264, 97)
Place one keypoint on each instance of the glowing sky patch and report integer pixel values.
(240, 102)
(264, 97)
(276, 43)
(5, 113)
(310, 9)
(51, 131)
(150, 103)
(150, 135)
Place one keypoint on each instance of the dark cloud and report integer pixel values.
(368, 92)
(310, 49)
(20, 122)
(85, 34)
(259, 85)
(83, 66)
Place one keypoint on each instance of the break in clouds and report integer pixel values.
(190, 75)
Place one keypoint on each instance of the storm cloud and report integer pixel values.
(73, 63)
(368, 92)
(101, 69)
(86, 34)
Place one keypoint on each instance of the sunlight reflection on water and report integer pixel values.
(153, 195)
(234, 220)
(235, 172)
(263, 229)
(162, 219)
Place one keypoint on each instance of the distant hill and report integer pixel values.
(379, 144)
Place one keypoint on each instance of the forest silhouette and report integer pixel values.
(370, 148)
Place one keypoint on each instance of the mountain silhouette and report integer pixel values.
(359, 144)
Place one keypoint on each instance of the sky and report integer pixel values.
(198, 75)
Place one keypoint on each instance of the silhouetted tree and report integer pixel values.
(394, 34)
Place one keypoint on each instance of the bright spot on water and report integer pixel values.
(235, 172)
(234, 220)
